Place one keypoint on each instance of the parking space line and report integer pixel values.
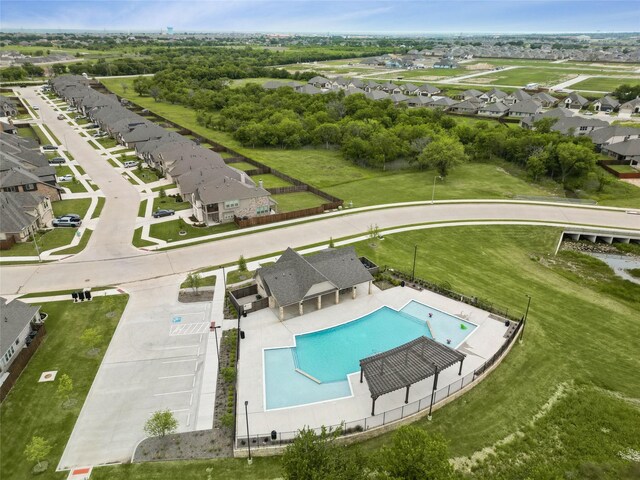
(182, 360)
(178, 376)
(184, 346)
(175, 393)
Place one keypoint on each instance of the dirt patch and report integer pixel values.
(480, 66)
(483, 80)
(187, 295)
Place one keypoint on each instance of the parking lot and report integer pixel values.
(155, 361)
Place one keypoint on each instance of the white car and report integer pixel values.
(65, 178)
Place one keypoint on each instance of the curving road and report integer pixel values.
(82, 270)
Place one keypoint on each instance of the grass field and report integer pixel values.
(328, 170)
(99, 207)
(427, 72)
(288, 202)
(146, 175)
(86, 236)
(270, 181)
(244, 166)
(168, 202)
(32, 408)
(79, 206)
(260, 81)
(519, 77)
(54, 238)
(604, 84)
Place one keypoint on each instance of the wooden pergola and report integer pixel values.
(405, 365)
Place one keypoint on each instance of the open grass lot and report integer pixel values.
(99, 207)
(27, 132)
(79, 206)
(624, 169)
(54, 238)
(244, 166)
(270, 181)
(604, 84)
(86, 236)
(32, 408)
(425, 72)
(260, 81)
(168, 203)
(107, 142)
(146, 175)
(560, 373)
(328, 170)
(168, 231)
(288, 202)
(519, 77)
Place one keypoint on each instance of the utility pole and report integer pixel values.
(415, 252)
(524, 321)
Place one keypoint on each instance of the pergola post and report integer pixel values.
(406, 396)
(319, 302)
(460, 370)
(353, 292)
(361, 374)
(370, 287)
(337, 297)
(281, 313)
(373, 406)
(300, 309)
(433, 392)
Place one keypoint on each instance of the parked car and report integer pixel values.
(73, 216)
(65, 178)
(588, 113)
(61, 117)
(99, 135)
(49, 147)
(35, 107)
(93, 125)
(57, 161)
(66, 222)
(163, 213)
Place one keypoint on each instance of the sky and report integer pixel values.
(325, 16)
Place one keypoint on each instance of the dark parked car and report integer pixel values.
(57, 160)
(66, 222)
(49, 147)
(163, 213)
(61, 117)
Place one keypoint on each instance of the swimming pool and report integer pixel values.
(316, 368)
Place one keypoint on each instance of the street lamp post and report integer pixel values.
(246, 416)
(33, 234)
(433, 192)
(215, 328)
(526, 313)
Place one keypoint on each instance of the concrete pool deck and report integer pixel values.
(263, 330)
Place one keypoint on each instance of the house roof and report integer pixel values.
(520, 96)
(14, 317)
(444, 102)
(376, 95)
(16, 211)
(226, 187)
(577, 98)
(292, 276)
(318, 79)
(471, 93)
(631, 103)
(420, 100)
(398, 97)
(525, 106)
(465, 105)
(544, 97)
(630, 148)
(308, 89)
(563, 125)
(495, 107)
(425, 87)
(602, 135)
(608, 101)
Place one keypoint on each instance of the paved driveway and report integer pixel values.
(155, 361)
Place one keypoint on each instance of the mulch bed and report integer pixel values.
(187, 295)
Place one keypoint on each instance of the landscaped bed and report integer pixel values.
(288, 202)
(169, 231)
(169, 203)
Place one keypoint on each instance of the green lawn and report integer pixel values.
(168, 203)
(270, 181)
(75, 186)
(236, 276)
(42, 138)
(55, 139)
(142, 208)
(260, 81)
(163, 187)
(168, 231)
(27, 132)
(51, 239)
(288, 202)
(99, 207)
(624, 169)
(32, 408)
(425, 74)
(107, 142)
(79, 247)
(244, 166)
(204, 282)
(519, 77)
(604, 84)
(146, 175)
(137, 239)
(79, 206)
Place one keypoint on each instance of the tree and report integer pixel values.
(242, 264)
(141, 85)
(626, 92)
(91, 337)
(442, 154)
(574, 160)
(65, 387)
(161, 423)
(124, 86)
(331, 244)
(327, 133)
(318, 457)
(194, 280)
(537, 165)
(415, 454)
(59, 68)
(37, 449)
(154, 92)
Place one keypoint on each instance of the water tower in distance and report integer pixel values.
(169, 30)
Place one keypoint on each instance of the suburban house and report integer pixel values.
(517, 96)
(613, 134)
(320, 82)
(468, 94)
(419, 101)
(493, 109)
(274, 85)
(555, 113)
(632, 106)
(22, 214)
(398, 98)
(628, 151)
(19, 179)
(446, 63)
(467, 106)
(8, 107)
(308, 89)
(8, 127)
(391, 88)
(376, 95)
(545, 99)
(16, 319)
(428, 90)
(524, 108)
(605, 104)
(575, 101)
(578, 126)
(353, 91)
(442, 103)
(294, 280)
(493, 95)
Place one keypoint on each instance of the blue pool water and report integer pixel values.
(329, 355)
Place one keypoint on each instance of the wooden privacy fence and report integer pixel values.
(605, 164)
(20, 362)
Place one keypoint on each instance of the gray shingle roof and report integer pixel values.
(630, 148)
(292, 276)
(15, 316)
(602, 135)
(15, 212)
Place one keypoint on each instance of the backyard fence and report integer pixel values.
(606, 164)
(21, 360)
(274, 438)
